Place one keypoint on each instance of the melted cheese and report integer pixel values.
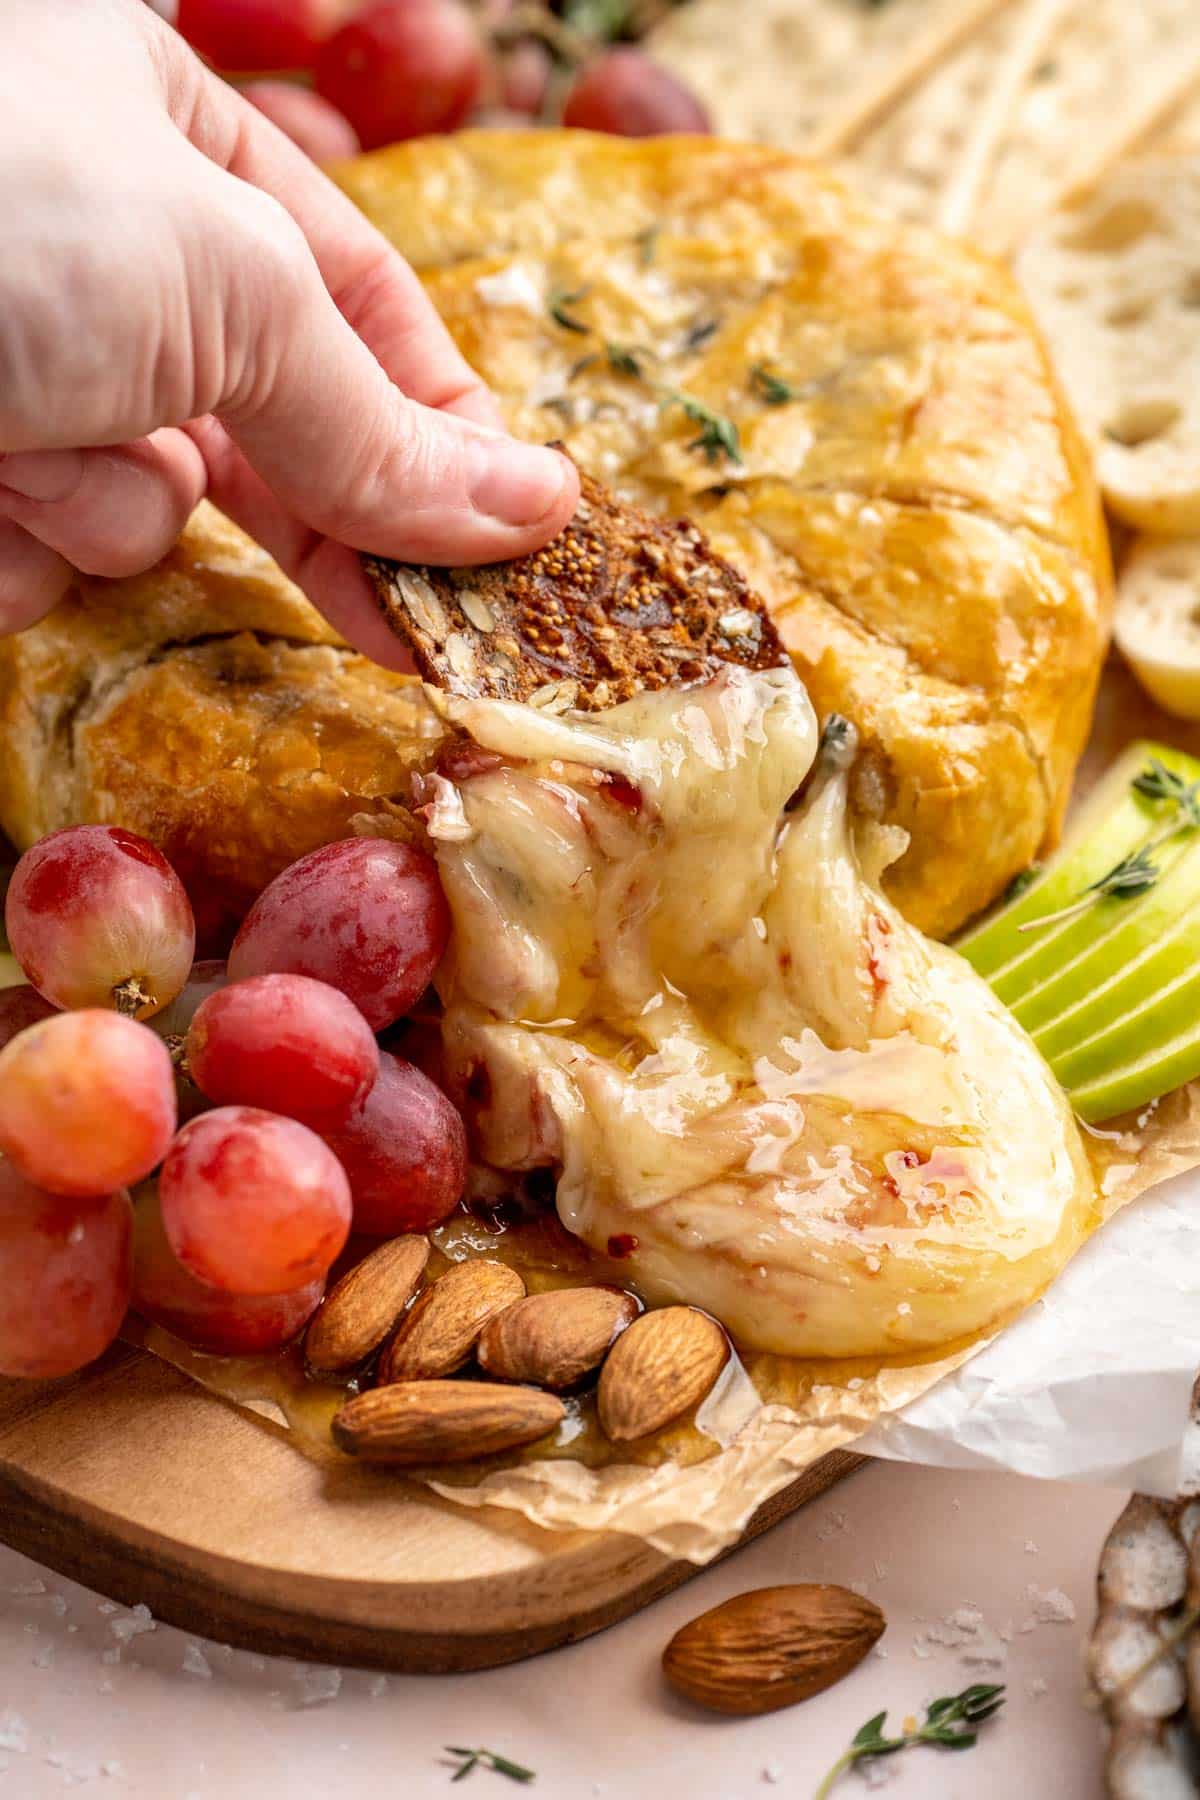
(698, 1008)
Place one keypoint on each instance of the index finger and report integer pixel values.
(372, 286)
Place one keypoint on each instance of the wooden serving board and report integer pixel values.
(134, 1480)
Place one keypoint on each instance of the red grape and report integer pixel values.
(258, 34)
(405, 1151)
(96, 916)
(525, 77)
(253, 1203)
(312, 123)
(64, 1275)
(622, 91)
(173, 1022)
(205, 1317)
(366, 915)
(87, 1102)
(402, 68)
(19, 1007)
(284, 1042)
(208, 976)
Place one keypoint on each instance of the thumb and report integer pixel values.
(314, 413)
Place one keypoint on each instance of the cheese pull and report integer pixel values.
(691, 1001)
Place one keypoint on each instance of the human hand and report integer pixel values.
(188, 306)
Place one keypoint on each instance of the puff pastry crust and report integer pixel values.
(918, 514)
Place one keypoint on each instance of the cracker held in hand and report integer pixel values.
(617, 604)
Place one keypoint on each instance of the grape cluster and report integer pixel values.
(394, 69)
(248, 1105)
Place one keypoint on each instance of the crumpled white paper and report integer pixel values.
(1093, 1383)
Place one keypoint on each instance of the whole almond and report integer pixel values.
(415, 1422)
(771, 1647)
(658, 1370)
(363, 1307)
(439, 1332)
(555, 1339)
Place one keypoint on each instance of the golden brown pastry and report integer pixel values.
(859, 414)
(912, 501)
(208, 705)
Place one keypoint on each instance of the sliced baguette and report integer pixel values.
(1157, 623)
(1115, 283)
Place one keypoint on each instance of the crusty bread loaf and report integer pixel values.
(1115, 283)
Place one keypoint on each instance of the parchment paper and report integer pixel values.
(1091, 1384)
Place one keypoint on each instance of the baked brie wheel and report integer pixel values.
(860, 414)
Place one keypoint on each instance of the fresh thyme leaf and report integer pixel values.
(1020, 883)
(770, 388)
(699, 334)
(1132, 875)
(647, 243)
(949, 1724)
(718, 435)
(557, 305)
(488, 1759)
(623, 359)
(1157, 782)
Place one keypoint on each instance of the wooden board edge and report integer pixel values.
(222, 1608)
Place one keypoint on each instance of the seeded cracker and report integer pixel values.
(617, 604)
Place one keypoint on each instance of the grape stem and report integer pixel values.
(130, 997)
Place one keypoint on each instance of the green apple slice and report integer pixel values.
(1111, 992)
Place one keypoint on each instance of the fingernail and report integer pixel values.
(519, 483)
(42, 474)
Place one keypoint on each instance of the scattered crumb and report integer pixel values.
(831, 1525)
(880, 1651)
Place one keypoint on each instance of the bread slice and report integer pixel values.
(1115, 283)
(617, 604)
(1157, 623)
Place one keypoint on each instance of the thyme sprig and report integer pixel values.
(1138, 872)
(487, 1759)
(949, 1724)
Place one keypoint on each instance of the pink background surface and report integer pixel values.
(102, 1704)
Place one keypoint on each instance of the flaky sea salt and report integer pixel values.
(132, 1624)
(377, 1687)
(773, 1773)
(14, 1732)
(44, 1658)
(317, 1686)
(1050, 1605)
(25, 1590)
(196, 1663)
